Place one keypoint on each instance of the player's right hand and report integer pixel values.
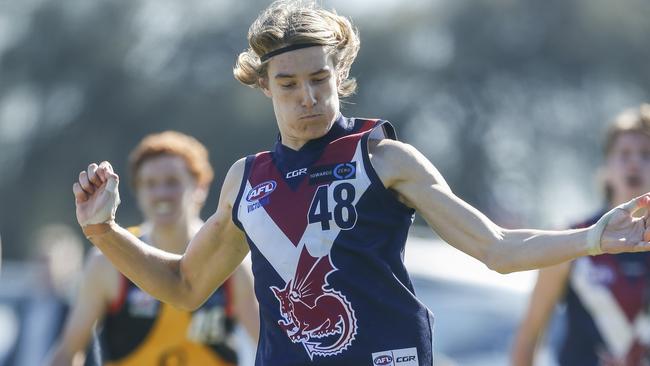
(96, 194)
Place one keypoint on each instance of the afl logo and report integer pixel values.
(383, 360)
(261, 190)
(344, 171)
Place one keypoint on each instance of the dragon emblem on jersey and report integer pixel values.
(315, 315)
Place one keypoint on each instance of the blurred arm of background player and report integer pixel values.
(100, 285)
(550, 286)
(245, 304)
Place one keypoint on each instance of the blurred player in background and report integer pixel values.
(170, 175)
(59, 255)
(606, 296)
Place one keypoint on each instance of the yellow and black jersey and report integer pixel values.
(140, 330)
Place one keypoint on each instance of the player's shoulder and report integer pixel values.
(233, 180)
(392, 160)
(390, 151)
(238, 168)
(96, 261)
(236, 171)
(239, 163)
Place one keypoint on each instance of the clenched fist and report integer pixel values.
(96, 194)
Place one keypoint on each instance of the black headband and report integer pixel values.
(291, 47)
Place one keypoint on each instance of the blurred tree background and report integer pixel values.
(508, 98)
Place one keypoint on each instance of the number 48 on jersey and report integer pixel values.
(343, 213)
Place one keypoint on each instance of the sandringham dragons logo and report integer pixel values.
(314, 314)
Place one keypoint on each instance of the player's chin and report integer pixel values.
(316, 130)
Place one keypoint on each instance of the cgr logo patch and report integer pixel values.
(396, 357)
(296, 173)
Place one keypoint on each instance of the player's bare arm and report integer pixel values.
(184, 281)
(419, 185)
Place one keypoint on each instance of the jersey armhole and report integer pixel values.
(242, 186)
(382, 130)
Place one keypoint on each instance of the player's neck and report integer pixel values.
(294, 144)
(174, 238)
(295, 141)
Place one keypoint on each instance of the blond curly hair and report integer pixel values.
(291, 22)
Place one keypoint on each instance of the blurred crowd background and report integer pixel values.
(508, 98)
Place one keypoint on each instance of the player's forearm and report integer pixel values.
(500, 249)
(155, 271)
(518, 250)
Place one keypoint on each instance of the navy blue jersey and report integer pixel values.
(327, 244)
(607, 309)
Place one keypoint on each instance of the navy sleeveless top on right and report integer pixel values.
(607, 309)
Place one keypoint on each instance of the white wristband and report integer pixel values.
(596, 231)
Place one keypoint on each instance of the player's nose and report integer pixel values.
(308, 97)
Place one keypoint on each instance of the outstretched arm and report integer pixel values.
(419, 185)
(184, 281)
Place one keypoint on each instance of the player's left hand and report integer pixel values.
(624, 229)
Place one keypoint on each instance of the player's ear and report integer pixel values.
(263, 82)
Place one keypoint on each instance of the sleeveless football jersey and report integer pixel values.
(607, 309)
(140, 330)
(327, 245)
